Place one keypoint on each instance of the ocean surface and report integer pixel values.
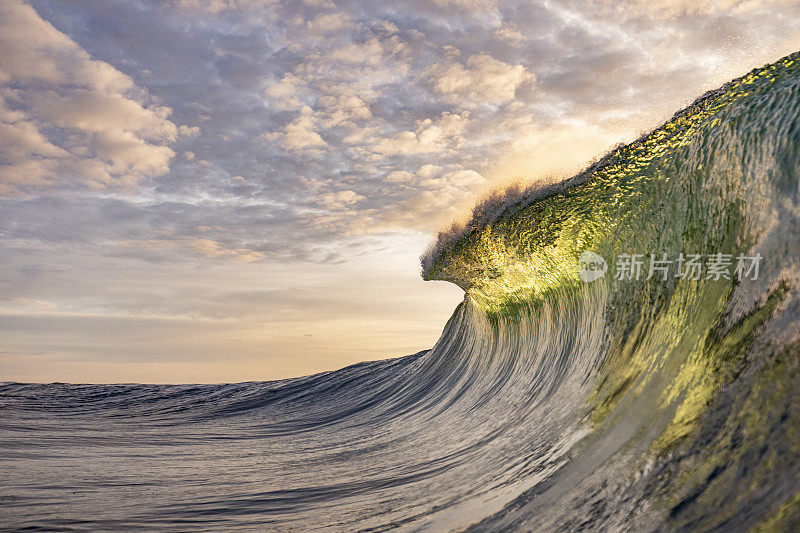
(616, 391)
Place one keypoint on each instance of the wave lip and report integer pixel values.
(645, 196)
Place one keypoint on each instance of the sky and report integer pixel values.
(237, 190)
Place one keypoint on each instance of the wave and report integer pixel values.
(663, 402)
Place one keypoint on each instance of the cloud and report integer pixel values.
(463, 178)
(340, 200)
(328, 22)
(385, 26)
(366, 53)
(428, 170)
(285, 94)
(69, 118)
(344, 109)
(484, 79)
(446, 132)
(510, 33)
(399, 176)
(300, 134)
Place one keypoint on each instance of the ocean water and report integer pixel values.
(668, 402)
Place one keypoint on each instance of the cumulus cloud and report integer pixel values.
(67, 117)
(344, 109)
(328, 22)
(446, 132)
(300, 134)
(340, 200)
(285, 94)
(399, 176)
(463, 178)
(366, 53)
(484, 79)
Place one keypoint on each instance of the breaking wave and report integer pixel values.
(627, 402)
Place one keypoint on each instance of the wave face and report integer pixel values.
(548, 403)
